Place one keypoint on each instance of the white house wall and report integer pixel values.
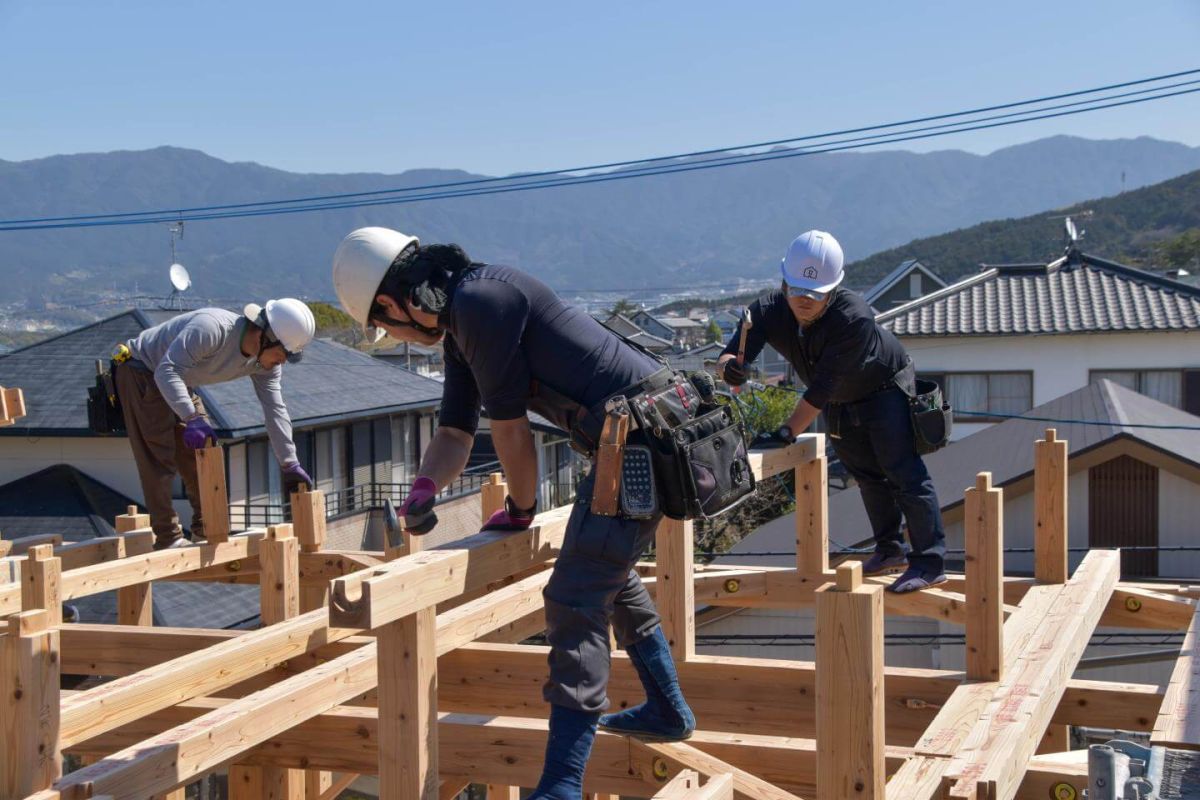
(1060, 363)
(1178, 512)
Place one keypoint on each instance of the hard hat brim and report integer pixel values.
(810, 285)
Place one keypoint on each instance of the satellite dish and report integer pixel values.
(180, 278)
(1072, 233)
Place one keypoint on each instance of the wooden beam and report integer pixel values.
(308, 519)
(994, 756)
(372, 598)
(984, 535)
(131, 520)
(41, 583)
(675, 594)
(135, 604)
(812, 514)
(19, 547)
(214, 497)
(646, 758)
(496, 791)
(12, 405)
(1050, 458)
(850, 701)
(1178, 722)
(768, 463)
(491, 496)
(163, 761)
(29, 703)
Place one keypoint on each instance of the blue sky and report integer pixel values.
(501, 87)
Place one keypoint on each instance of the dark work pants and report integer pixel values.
(876, 445)
(594, 583)
(156, 436)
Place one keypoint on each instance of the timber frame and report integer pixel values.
(404, 664)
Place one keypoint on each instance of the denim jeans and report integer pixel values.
(875, 442)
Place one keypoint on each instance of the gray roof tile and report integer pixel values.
(1084, 294)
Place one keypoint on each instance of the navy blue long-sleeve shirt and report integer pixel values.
(842, 357)
(513, 346)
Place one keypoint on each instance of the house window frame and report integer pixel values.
(940, 378)
(1185, 397)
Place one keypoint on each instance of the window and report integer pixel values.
(985, 393)
(1175, 387)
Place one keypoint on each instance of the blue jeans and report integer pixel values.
(875, 442)
(594, 583)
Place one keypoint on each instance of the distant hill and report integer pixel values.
(678, 230)
(1133, 227)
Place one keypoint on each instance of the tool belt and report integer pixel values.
(105, 415)
(697, 449)
(930, 413)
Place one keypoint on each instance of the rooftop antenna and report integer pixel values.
(180, 280)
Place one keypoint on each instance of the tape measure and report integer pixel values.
(121, 353)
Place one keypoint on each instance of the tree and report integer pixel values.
(623, 307)
(713, 334)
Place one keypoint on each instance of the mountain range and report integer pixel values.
(676, 230)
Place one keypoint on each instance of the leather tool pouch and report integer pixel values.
(932, 417)
(105, 416)
(698, 451)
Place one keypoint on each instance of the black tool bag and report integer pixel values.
(105, 415)
(698, 450)
(932, 417)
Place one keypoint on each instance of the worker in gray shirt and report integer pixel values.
(165, 420)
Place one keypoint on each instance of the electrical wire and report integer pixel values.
(523, 184)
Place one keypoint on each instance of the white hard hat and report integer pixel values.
(361, 261)
(813, 263)
(290, 320)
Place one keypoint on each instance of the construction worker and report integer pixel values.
(513, 346)
(157, 373)
(859, 374)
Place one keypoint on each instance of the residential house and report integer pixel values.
(683, 332)
(1134, 481)
(418, 358)
(1015, 336)
(909, 281)
(625, 327)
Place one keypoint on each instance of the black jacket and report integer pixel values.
(842, 357)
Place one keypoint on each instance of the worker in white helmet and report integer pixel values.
(512, 346)
(157, 371)
(860, 376)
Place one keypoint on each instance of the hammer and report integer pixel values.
(747, 324)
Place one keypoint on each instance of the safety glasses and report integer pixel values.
(796, 291)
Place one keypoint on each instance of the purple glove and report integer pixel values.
(197, 432)
(417, 508)
(511, 518)
(294, 477)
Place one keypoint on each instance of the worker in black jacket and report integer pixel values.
(860, 376)
(512, 346)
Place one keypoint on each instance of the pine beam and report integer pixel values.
(675, 592)
(214, 497)
(29, 704)
(984, 519)
(1050, 508)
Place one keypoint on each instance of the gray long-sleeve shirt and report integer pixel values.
(203, 347)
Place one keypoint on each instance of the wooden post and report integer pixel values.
(812, 514)
(408, 744)
(675, 594)
(849, 666)
(491, 495)
(214, 497)
(30, 759)
(279, 600)
(41, 583)
(491, 500)
(983, 518)
(1050, 509)
(135, 604)
(245, 783)
(308, 523)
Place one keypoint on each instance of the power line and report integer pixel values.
(522, 182)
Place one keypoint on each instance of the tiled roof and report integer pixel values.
(1076, 294)
(889, 280)
(332, 382)
(61, 500)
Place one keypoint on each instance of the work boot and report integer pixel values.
(567, 749)
(170, 542)
(665, 716)
(883, 562)
(915, 579)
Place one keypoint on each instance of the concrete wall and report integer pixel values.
(1060, 363)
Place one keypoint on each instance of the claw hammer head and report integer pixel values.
(747, 324)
